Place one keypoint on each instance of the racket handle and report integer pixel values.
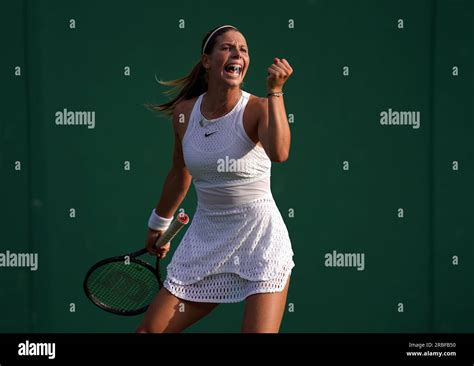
(176, 225)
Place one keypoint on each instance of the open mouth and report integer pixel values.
(234, 70)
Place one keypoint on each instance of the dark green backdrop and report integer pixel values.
(408, 260)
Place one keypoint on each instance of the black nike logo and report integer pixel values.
(209, 133)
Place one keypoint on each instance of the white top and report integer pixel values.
(227, 167)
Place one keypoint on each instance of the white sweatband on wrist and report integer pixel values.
(156, 222)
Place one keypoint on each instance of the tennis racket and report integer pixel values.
(126, 285)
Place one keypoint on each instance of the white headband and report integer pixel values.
(208, 38)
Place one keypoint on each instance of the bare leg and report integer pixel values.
(169, 314)
(263, 312)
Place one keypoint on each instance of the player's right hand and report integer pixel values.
(152, 237)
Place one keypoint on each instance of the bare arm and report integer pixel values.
(174, 190)
(178, 180)
(273, 127)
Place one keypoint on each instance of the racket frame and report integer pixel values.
(162, 240)
(121, 258)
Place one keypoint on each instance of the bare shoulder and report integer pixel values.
(256, 106)
(181, 115)
(257, 103)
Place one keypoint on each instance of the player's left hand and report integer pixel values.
(278, 74)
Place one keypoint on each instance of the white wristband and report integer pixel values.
(156, 222)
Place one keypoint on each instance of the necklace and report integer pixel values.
(204, 122)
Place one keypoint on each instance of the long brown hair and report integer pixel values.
(192, 85)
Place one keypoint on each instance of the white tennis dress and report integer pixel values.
(237, 243)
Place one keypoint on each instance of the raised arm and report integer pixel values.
(273, 128)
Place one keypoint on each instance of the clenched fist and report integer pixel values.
(278, 74)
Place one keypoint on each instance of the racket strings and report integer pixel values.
(123, 287)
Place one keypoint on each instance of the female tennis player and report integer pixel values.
(237, 246)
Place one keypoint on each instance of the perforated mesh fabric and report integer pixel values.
(250, 240)
(239, 248)
(226, 287)
(227, 145)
